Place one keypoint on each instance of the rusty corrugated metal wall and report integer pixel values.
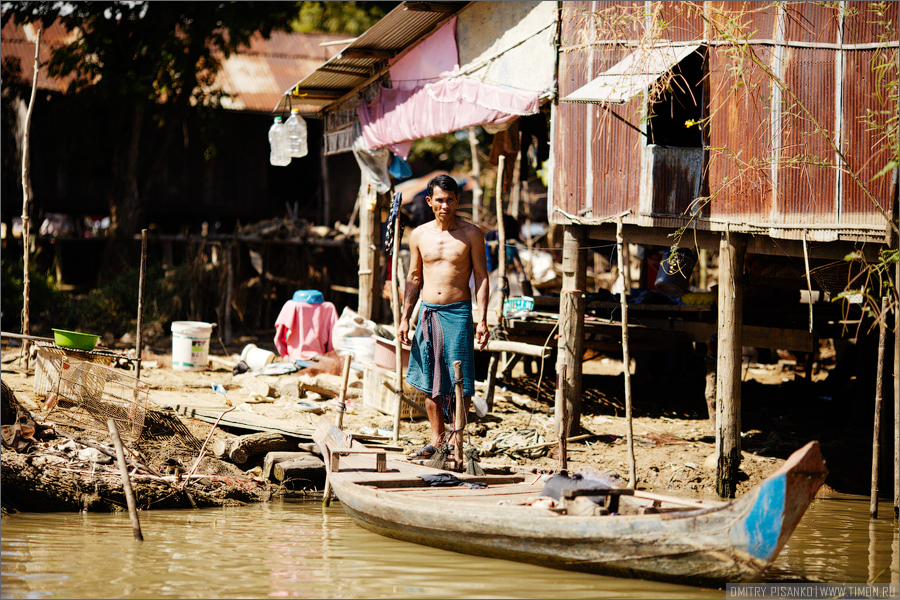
(865, 88)
(772, 159)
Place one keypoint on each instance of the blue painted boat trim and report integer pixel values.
(759, 531)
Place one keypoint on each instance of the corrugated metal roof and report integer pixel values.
(256, 76)
(364, 57)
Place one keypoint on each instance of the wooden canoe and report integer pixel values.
(681, 541)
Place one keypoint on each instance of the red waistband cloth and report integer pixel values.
(303, 330)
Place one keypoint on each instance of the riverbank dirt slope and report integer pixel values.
(674, 442)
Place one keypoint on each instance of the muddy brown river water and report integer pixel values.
(297, 549)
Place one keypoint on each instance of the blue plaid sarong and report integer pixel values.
(445, 334)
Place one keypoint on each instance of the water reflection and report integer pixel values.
(298, 550)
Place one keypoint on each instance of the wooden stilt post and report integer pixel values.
(515, 192)
(571, 319)
(126, 481)
(140, 315)
(562, 420)
(876, 429)
(626, 356)
(475, 173)
(896, 396)
(502, 282)
(728, 363)
(26, 205)
(369, 233)
(229, 291)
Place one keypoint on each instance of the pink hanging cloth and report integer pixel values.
(427, 99)
(303, 329)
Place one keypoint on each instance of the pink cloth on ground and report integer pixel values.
(303, 330)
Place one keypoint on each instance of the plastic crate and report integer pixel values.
(518, 303)
(379, 397)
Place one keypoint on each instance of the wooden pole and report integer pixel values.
(704, 261)
(140, 315)
(126, 480)
(476, 177)
(561, 421)
(459, 423)
(326, 191)
(515, 191)
(896, 394)
(398, 346)
(571, 319)
(626, 355)
(876, 430)
(369, 232)
(502, 282)
(626, 256)
(26, 204)
(728, 363)
(342, 399)
(229, 290)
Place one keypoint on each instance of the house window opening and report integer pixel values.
(681, 102)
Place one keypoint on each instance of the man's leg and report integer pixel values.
(436, 420)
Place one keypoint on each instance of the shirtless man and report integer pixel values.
(444, 254)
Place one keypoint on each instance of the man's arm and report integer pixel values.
(413, 288)
(482, 287)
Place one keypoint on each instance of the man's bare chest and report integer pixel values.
(444, 249)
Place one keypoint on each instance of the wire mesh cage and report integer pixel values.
(48, 366)
(88, 394)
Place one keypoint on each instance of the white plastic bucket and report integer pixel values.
(190, 345)
(256, 357)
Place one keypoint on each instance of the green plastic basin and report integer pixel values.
(75, 339)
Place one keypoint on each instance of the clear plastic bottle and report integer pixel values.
(278, 145)
(295, 127)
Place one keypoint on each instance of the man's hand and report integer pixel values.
(481, 335)
(403, 332)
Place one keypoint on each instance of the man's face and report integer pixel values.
(442, 203)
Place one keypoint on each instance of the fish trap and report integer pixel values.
(838, 276)
(48, 366)
(87, 395)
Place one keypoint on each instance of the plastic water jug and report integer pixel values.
(295, 127)
(278, 155)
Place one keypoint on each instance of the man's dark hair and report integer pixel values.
(445, 182)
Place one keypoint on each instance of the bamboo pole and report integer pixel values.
(398, 346)
(476, 177)
(876, 428)
(140, 315)
(502, 282)
(515, 191)
(459, 423)
(626, 357)
(560, 409)
(26, 204)
(126, 481)
(342, 399)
